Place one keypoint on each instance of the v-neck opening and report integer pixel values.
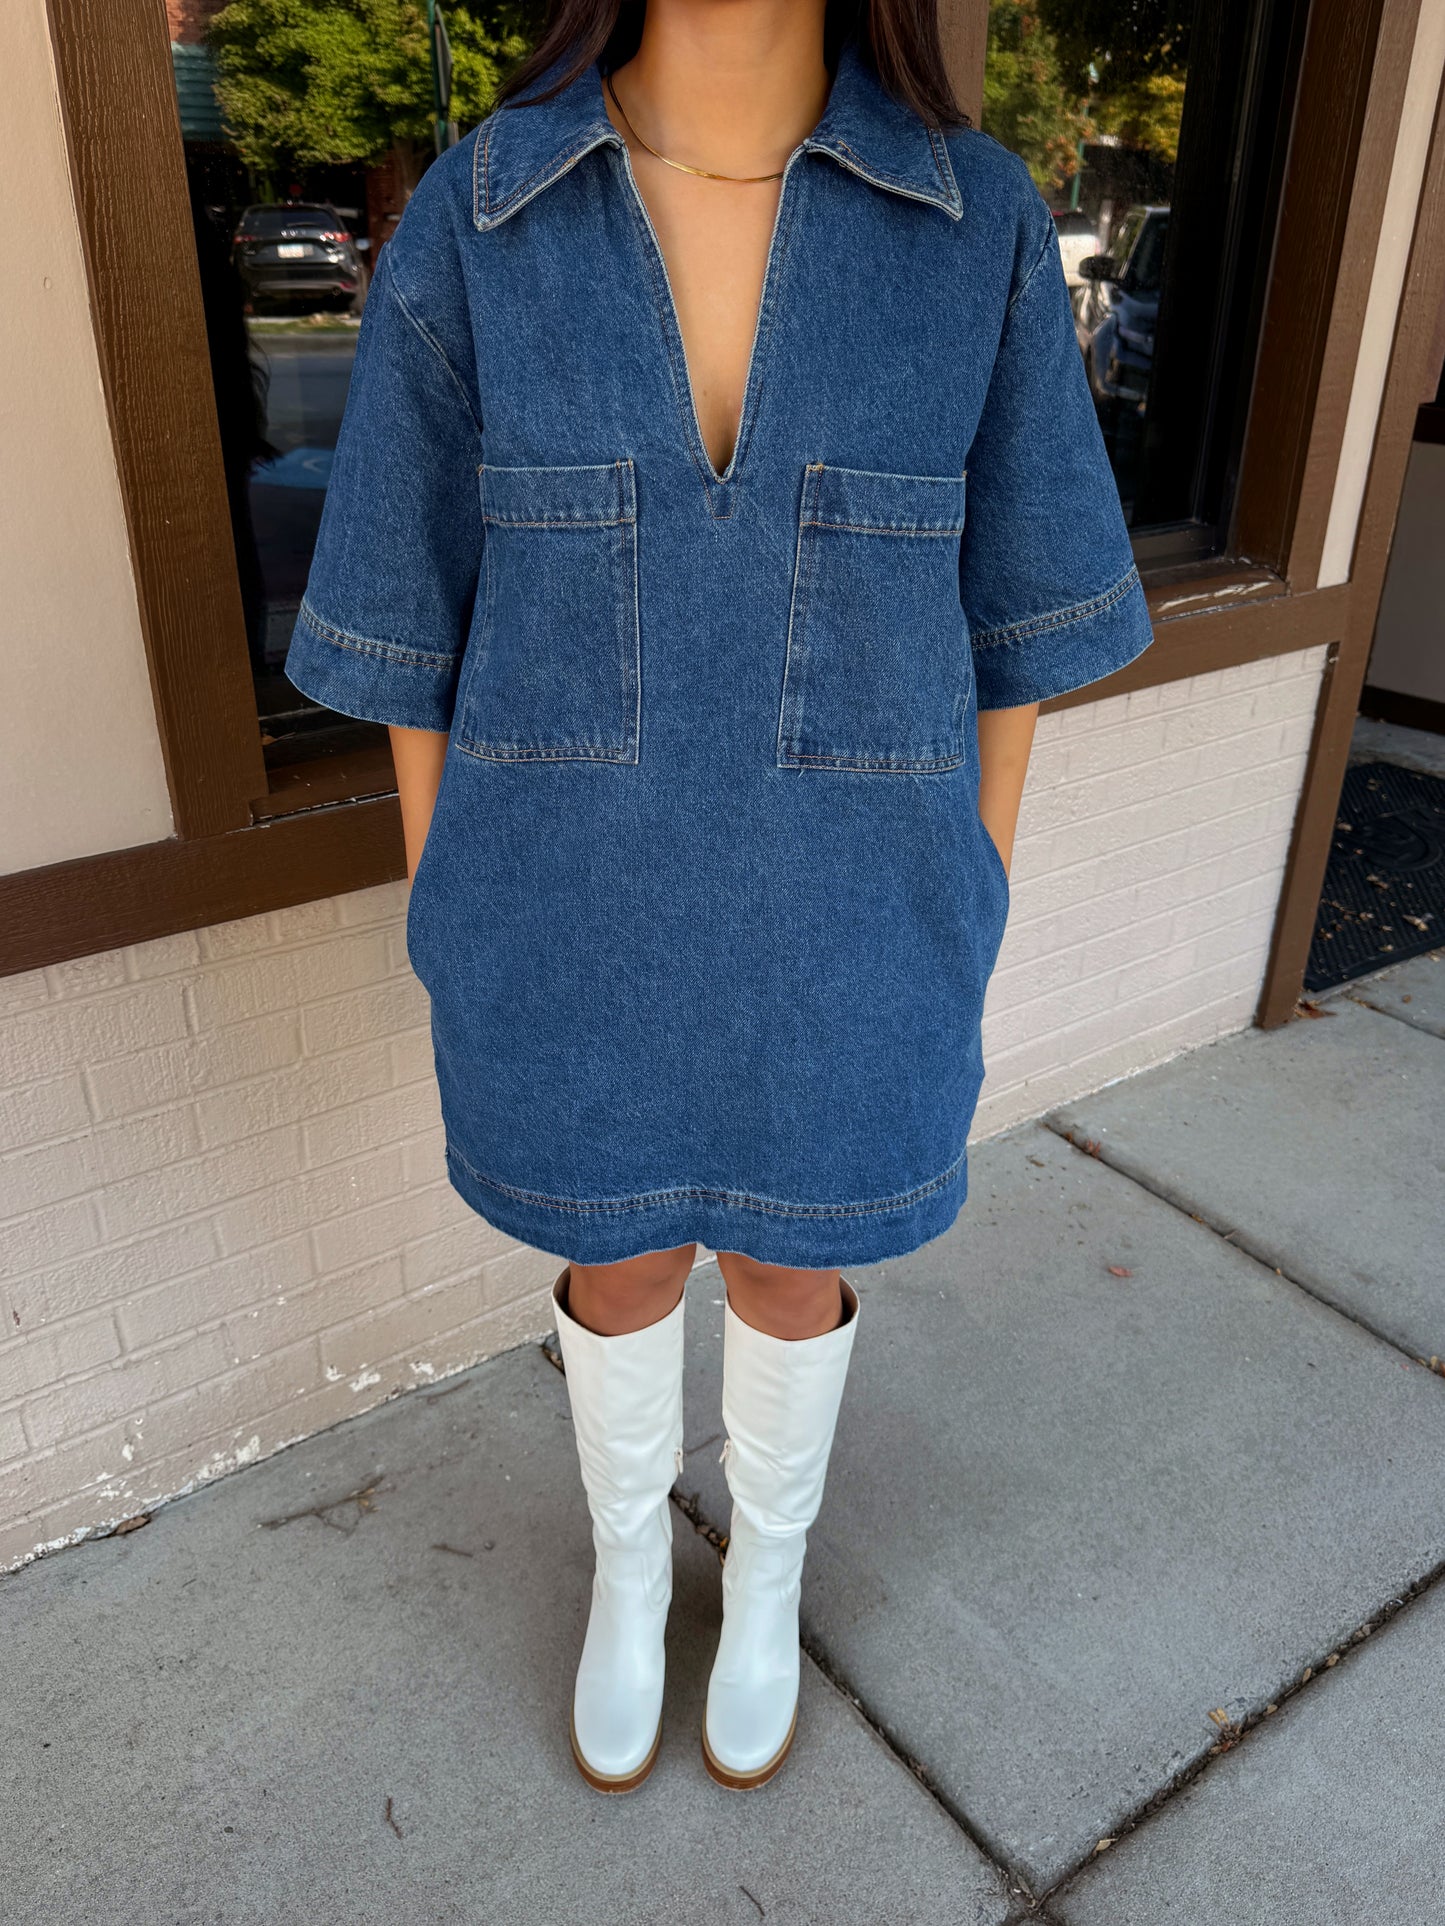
(718, 485)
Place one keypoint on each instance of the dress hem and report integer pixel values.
(803, 1237)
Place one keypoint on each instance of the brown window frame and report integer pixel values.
(245, 842)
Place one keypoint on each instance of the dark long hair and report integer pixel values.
(899, 37)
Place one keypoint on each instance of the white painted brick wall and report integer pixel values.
(224, 1215)
(1146, 872)
(226, 1220)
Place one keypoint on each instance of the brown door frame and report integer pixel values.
(242, 847)
(1410, 358)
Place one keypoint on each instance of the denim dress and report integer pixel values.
(707, 911)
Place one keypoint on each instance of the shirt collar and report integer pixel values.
(521, 150)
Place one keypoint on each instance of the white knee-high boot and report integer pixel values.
(626, 1398)
(780, 1407)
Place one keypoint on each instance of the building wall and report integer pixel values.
(1146, 874)
(80, 755)
(1409, 650)
(228, 1222)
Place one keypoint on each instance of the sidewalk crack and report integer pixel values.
(1241, 1241)
(1236, 1732)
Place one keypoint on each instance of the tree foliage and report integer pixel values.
(325, 82)
(1026, 102)
(1124, 41)
(1061, 71)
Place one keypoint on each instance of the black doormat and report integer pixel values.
(1384, 892)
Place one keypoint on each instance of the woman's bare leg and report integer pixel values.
(612, 1299)
(780, 1302)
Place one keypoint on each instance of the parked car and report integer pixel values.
(298, 254)
(1078, 238)
(1116, 315)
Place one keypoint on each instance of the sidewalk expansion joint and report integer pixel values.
(1242, 1242)
(1013, 1886)
(1235, 1732)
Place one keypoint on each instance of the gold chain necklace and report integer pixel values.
(682, 166)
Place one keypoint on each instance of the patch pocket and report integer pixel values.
(554, 670)
(879, 673)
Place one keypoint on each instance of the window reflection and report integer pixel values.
(1091, 94)
(1155, 130)
(306, 124)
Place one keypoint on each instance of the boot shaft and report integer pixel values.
(781, 1399)
(625, 1394)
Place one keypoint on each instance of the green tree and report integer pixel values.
(1145, 113)
(1121, 40)
(1129, 58)
(1027, 103)
(319, 82)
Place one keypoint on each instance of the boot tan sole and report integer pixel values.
(608, 1782)
(747, 1781)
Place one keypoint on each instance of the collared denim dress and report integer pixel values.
(707, 911)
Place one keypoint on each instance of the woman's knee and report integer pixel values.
(777, 1299)
(615, 1298)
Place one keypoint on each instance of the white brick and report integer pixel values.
(163, 956)
(83, 974)
(107, 1276)
(465, 1246)
(349, 1240)
(126, 1389)
(51, 1356)
(13, 1442)
(304, 922)
(384, 904)
(303, 1088)
(247, 936)
(204, 1296)
(178, 1071)
(361, 1127)
(286, 979)
(141, 1203)
(45, 1237)
(293, 1315)
(424, 1158)
(404, 1325)
(36, 1112)
(30, 1179)
(25, 991)
(400, 1004)
(61, 1036)
(309, 1200)
(411, 1056)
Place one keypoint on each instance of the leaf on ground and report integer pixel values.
(131, 1524)
(1119, 1270)
(1306, 1008)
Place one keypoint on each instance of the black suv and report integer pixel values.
(298, 254)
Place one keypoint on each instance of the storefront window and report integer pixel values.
(1155, 130)
(306, 124)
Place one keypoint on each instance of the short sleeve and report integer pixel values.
(383, 624)
(1046, 572)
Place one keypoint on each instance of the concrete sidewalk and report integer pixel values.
(1122, 1607)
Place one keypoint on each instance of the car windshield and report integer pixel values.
(1125, 235)
(1073, 225)
(1146, 265)
(274, 220)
